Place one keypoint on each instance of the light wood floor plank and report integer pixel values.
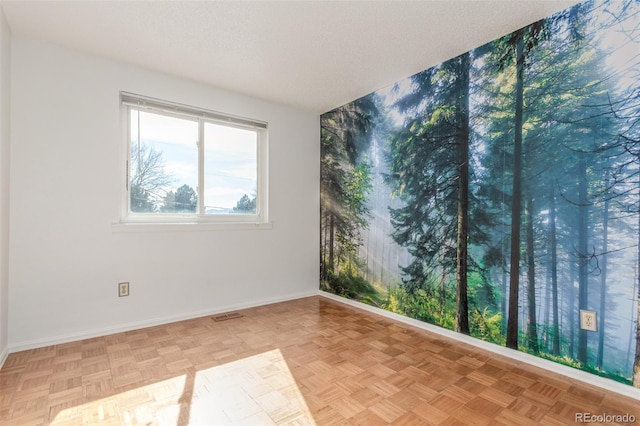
(311, 361)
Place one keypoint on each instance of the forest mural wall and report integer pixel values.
(498, 193)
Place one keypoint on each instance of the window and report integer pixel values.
(186, 164)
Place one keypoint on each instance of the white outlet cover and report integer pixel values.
(123, 289)
(588, 320)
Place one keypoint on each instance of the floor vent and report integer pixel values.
(224, 317)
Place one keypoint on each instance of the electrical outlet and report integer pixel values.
(588, 320)
(123, 289)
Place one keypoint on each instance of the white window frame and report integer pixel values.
(134, 221)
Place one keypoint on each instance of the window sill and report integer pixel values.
(128, 227)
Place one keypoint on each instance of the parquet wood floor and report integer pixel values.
(307, 361)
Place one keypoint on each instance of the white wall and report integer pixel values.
(5, 54)
(66, 162)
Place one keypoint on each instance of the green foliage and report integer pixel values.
(577, 121)
(571, 362)
(423, 306)
(481, 292)
(245, 205)
(486, 325)
(140, 200)
(184, 200)
(358, 185)
(427, 306)
(345, 182)
(352, 286)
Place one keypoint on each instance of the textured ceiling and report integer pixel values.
(310, 55)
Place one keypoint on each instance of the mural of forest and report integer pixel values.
(498, 193)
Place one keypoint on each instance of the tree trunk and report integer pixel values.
(555, 331)
(516, 206)
(323, 248)
(636, 362)
(547, 310)
(462, 304)
(583, 250)
(330, 266)
(532, 326)
(571, 308)
(603, 275)
(443, 279)
(382, 258)
(503, 303)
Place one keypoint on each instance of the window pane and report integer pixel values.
(164, 164)
(230, 170)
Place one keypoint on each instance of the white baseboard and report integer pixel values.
(73, 337)
(3, 356)
(570, 372)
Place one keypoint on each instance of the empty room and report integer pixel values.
(320, 212)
